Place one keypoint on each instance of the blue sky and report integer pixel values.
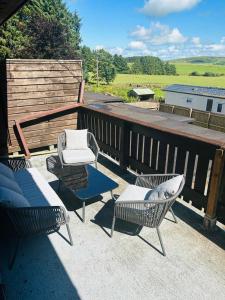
(164, 28)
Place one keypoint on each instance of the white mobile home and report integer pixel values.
(197, 97)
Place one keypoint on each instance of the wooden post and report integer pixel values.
(37, 116)
(22, 139)
(124, 145)
(214, 189)
(81, 92)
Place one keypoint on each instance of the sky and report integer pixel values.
(165, 28)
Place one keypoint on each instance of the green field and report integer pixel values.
(124, 82)
(187, 68)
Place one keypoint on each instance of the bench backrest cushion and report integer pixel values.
(10, 183)
(6, 171)
(36, 188)
(10, 198)
(76, 139)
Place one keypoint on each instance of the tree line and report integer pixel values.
(150, 65)
(46, 29)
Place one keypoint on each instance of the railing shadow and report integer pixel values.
(195, 220)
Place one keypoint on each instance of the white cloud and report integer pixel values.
(216, 47)
(99, 47)
(222, 41)
(138, 45)
(196, 40)
(159, 34)
(116, 50)
(165, 7)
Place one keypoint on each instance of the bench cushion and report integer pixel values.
(6, 171)
(10, 183)
(10, 198)
(36, 189)
(78, 156)
(134, 193)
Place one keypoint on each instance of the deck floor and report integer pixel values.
(127, 266)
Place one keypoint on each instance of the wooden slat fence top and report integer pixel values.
(42, 61)
(165, 122)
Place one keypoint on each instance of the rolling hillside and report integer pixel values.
(201, 60)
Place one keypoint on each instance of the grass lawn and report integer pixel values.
(187, 68)
(124, 82)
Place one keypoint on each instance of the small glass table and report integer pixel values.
(97, 183)
(86, 182)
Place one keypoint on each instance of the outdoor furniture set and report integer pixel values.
(33, 207)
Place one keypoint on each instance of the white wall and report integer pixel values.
(197, 102)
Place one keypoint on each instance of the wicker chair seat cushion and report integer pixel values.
(10, 198)
(166, 189)
(134, 193)
(6, 171)
(78, 156)
(36, 189)
(76, 139)
(10, 184)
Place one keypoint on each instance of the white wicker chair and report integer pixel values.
(147, 213)
(92, 145)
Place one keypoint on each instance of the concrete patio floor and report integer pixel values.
(127, 266)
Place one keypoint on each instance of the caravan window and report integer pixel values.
(219, 107)
(209, 105)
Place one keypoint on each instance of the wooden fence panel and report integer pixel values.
(34, 86)
(205, 119)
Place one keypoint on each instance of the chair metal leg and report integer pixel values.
(13, 258)
(113, 225)
(112, 196)
(174, 217)
(96, 164)
(59, 185)
(161, 242)
(83, 212)
(69, 234)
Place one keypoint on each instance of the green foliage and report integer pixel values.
(98, 65)
(150, 65)
(206, 74)
(41, 29)
(194, 73)
(106, 68)
(120, 64)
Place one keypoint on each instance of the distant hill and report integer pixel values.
(200, 60)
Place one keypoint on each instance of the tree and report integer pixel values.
(88, 61)
(151, 65)
(170, 69)
(49, 39)
(39, 30)
(104, 69)
(136, 67)
(120, 64)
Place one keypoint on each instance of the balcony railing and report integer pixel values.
(148, 147)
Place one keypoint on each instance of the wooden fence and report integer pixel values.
(202, 118)
(147, 150)
(32, 86)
